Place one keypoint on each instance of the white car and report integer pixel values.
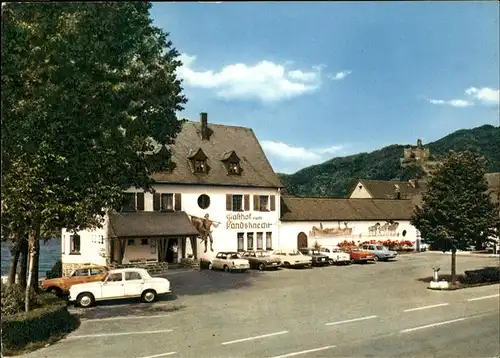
(229, 261)
(119, 284)
(335, 255)
(293, 258)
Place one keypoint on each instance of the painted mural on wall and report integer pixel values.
(204, 227)
(389, 228)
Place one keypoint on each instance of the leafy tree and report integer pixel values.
(457, 209)
(86, 90)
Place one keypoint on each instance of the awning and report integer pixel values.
(150, 224)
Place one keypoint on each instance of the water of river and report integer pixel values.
(49, 254)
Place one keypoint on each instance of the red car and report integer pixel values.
(359, 255)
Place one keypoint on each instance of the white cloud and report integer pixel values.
(290, 153)
(459, 103)
(485, 95)
(339, 76)
(265, 80)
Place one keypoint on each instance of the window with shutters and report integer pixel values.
(241, 241)
(249, 240)
(260, 241)
(129, 203)
(167, 202)
(269, 240)
(237, 204)
(264, 203)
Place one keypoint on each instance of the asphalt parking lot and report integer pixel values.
(375, 310)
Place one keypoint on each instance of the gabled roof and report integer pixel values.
(386, 189)
(333, 209)
(256, 170)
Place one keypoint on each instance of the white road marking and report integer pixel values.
(161, 355)
(119, 334)
(256, 337)
(304, 352)
(433, 325)
(124, 317)
(350, 320)
(483, 298)
(425, 307)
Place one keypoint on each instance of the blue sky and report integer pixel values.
(326, 79)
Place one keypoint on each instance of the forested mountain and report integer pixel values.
(335, 177)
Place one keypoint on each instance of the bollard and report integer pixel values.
(435, 276)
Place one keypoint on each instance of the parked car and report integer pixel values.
(359, 255)
(293, 258)
(61, 285)
(229, 261)
(381, 252)
(262, 260)
(335, 255)
(120, 284)
(318, 259)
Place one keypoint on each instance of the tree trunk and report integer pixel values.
(23, 269)
(14, 258)
(453, 265)
(35, 283)
(32, 249)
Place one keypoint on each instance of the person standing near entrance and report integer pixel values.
(175, 250)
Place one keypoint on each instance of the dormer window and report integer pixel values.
(200, 166)
(232, 163)
(198, 161)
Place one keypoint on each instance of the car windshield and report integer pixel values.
(315, 252)
(294, 253)
(235, 256)
(262, 254)
(336, 250)
(379, 247)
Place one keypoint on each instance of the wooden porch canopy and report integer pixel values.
(151, 225)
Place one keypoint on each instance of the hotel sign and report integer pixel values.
(246, 221)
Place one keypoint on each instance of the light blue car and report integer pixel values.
(381, 252)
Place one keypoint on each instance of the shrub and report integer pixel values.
(13, 298)
(55, 271)
(51, 319)
(487, 274)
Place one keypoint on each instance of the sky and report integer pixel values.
(317, 80)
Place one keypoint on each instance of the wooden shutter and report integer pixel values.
(246, 199)
(178, 201)
(256, 203)
(140, 201)
(156, 201)
(273, 202)
(229, 202)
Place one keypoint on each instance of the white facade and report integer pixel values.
(335, 232)
(231, 231)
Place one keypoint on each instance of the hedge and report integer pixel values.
(50, 320)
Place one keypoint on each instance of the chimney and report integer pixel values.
(397, 192)
(204, 125)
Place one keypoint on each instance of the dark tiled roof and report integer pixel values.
(386, 189)
(256, 170)
(149, 224)
(330, 209)
(494, 186)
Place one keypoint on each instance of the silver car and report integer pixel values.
(381, 252)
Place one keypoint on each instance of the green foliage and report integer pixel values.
(335, 177)
(484, 275)
(55, 271)
(456, 207)
(13, 298)
(44, 322)
(84, 89)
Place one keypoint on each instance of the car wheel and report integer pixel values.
(85, 299)
(210, 266)
(148, 296)
(286, 264)
(331, 262)
(55, 291)
(352, 261)
(375, 258)
(262, 267)
(244, 270)
(226, 268)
